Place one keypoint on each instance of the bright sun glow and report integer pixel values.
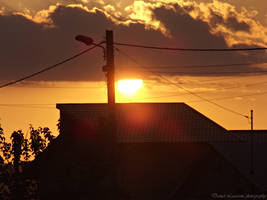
(129, 87)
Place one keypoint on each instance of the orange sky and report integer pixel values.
(36, 104)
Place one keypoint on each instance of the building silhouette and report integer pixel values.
(159, 151)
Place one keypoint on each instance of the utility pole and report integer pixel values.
(110, 67)
(251, 145)
(112, 126)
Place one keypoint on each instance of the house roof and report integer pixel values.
(151, 163)
(259, 136)
(144, 171)
(153, 122)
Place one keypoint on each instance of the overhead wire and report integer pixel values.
(204, 72)
(153, 72)
(141, 46)
(204, 66)
(27, 106)
(222, 78)
(190, 49)
(211, 73)
(179, 86)
(236, 96)
(247, 85)
(50, 67)
(61, 87)
(222, 98)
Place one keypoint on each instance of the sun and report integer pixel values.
(129, 87)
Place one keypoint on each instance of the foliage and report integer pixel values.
(5, 147)
(39, 139)
(17, 141)
(14, 156)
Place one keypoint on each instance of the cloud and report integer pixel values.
(192, 32)
(231, 22)
(236, 26)
(30, 42)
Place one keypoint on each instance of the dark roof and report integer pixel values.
(239, 154)
(259, 136)
(145, 171)
(154, 122)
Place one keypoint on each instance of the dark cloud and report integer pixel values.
(71, 20)
(195, 33)
(235, 25)
(230, 22)
(27, 46)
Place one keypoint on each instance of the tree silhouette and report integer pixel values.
(14, 156)
(17, 141)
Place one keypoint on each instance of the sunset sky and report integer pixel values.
(40, 33)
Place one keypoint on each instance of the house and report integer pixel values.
(239, 154)
(159, 151)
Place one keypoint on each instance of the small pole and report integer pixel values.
(251, 145)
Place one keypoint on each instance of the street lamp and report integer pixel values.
(86, 40)
(109, 56)
(89, 41)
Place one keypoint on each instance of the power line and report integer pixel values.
(177, 85)
(230, 97)
(201, 73)
(188, 49)
(219, 79)
(247, 85)
(252, 84)
(214, 99)
(201, 66)
(163, 96)
(50, 67)
(211, 73)
(29, 106)
(230, 77)
(61, 87)
(253, 74)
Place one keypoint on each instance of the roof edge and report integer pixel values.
(248, 131)
(61, 105)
